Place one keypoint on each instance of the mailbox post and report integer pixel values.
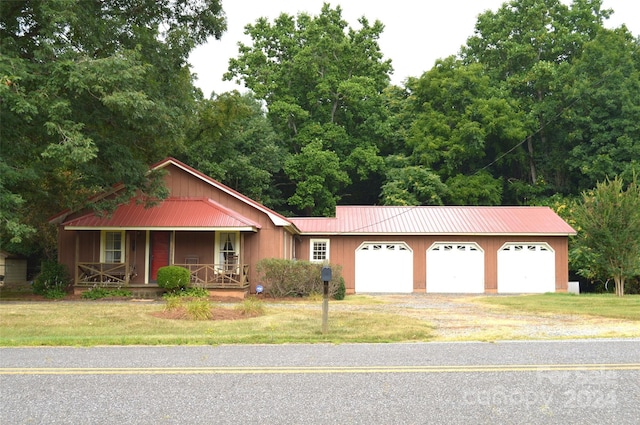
(326, 277)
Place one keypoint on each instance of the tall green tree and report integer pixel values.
(232, 141)
(318, 176)
(323, 81)
(604, 120)
(92, 92)
(528, 46)
(608, 224)
(459, 124)
(408, 184)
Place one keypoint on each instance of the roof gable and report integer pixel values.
(277, 219)
(451, 220)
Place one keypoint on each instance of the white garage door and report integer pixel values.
(455, 267)
(526, 268)
(384, 267)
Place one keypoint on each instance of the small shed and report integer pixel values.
(13, 268)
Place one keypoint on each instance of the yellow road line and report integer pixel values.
(313, 370)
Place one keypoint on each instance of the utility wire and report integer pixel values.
(513, 148)
(544, 125)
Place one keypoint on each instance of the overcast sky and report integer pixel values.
(416, 33)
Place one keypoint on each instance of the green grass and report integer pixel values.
(603, 305)
(90, 323)
(106, 323)
(251, 306)
(360, 300)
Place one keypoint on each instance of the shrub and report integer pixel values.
(172, 302)
(341, 290)
(55, 294)
(173, 278)
(53, 280)
(290, 278)
(193, 302)
(632, 286)
(98, 292)
(198, 309)
(194, 293)
(251, 306)
(315, 296)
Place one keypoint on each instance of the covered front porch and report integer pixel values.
(131, 258)
(128, 248)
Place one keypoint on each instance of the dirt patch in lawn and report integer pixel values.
(464, 317)
(216, 314)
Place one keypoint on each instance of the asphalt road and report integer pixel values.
(539, 382)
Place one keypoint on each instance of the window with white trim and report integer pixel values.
(112, 247)
(227, 247)
(319, 250)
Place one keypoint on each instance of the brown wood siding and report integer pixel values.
(561, 247)
(67, 249)
(137, 249)
(343, 248)
(267, 243)
(89, 246)
(198, 245)
(185, 185)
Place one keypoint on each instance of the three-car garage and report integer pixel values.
(455, 268)
(453, 250)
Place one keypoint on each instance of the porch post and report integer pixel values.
(241, 252)
(243, 276)
(76, 272)
(172, 247)
(127, 253)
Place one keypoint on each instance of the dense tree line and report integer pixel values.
(91, 93)
(542, 100)
(541, 104)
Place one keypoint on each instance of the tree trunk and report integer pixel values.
(619, 285)
(334, 108)
(532, 165)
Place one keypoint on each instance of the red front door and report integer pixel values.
(159, 252)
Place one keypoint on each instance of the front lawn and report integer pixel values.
(130, 323)
(604, 305)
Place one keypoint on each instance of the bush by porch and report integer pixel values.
(295, 278)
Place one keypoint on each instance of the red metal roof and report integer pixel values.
(172, 213)
(450, 220)
(276, 218)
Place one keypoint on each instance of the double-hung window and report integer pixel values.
(320, 250)
(112, 247)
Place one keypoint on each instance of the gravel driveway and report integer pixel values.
(464, 317)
